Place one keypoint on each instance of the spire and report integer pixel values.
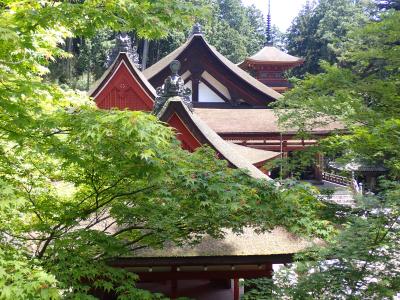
(269, 41)
(123, 43)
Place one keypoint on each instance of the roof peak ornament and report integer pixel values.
(173, 86)
(123, 43)
(197, 29)
(269, 40)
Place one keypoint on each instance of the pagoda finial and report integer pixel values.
(269, 41)
(123, 43)
(197, 29)
(173, 86)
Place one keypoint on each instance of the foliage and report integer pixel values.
(21, 279)
(317, 32)
(244, 26)
(362, 92)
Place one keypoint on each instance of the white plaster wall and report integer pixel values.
(216, 84)
(208, 95)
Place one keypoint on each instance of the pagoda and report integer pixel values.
(270, 63)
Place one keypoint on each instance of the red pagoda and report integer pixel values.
(270, 63)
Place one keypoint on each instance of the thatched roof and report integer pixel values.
(253, 155)
(278, 241)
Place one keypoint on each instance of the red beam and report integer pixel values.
(161, 276)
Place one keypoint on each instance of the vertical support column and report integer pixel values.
(196, 75)
(319, 166)
(195, 89)
(236, 290)
(174, 284)
(269, 269)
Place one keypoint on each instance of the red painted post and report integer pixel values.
(236, 292)
(174, 289)
(174, 285)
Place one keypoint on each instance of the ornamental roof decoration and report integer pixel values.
(271, 55)
(197, 29)
(123, 43)
(173, 86)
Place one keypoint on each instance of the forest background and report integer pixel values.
(235, 30)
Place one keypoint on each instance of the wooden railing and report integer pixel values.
(336, 179)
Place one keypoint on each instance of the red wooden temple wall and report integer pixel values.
(124, 92)
(189, 142)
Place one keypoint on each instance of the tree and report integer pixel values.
(80, 186)
(388, 4)
(362, 91)
(317, 32)
(244, 26)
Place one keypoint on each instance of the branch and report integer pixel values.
(138, 239)
(48, 241)
(132, 227)
(92, 210)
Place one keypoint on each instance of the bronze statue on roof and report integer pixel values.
(123, 43)
(197, 29)
(173, 86)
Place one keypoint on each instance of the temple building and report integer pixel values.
(214, 80)
(210, 101)
(270, 63)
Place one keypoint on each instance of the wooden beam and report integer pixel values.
(200, 260)
(196, 275)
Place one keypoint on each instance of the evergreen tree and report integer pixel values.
(320, 28)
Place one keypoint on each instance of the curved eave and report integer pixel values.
(278, 63)
(208, 136)
(237, 71)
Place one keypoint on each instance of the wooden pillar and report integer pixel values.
(195, 89)
(196, 76)
(236, 290)
(174, 285)
(269, 268)
(319, 166)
